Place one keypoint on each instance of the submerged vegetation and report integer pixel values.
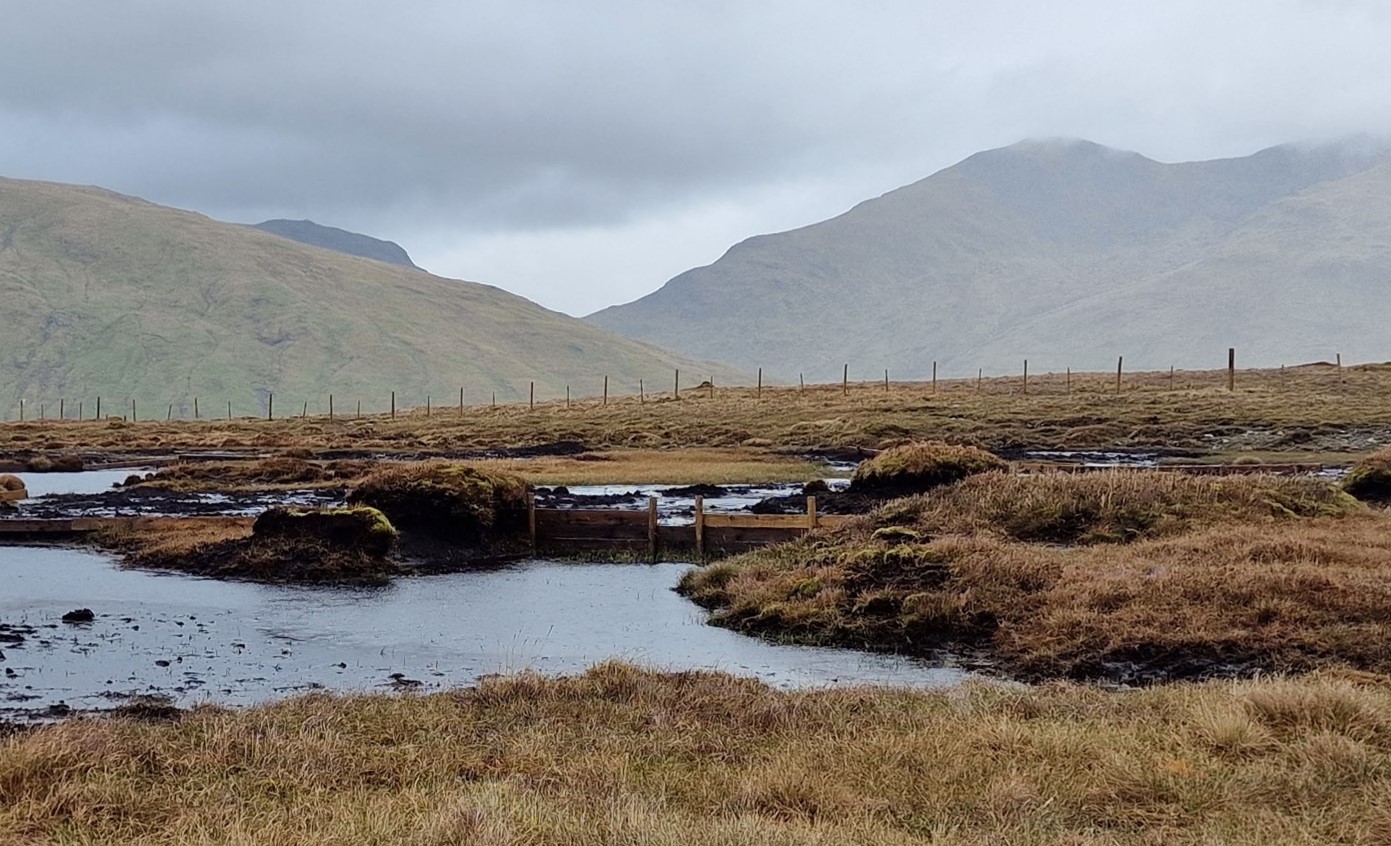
(1126, 576)
(621, 755)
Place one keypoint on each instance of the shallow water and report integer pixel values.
(84, 482)
(680, 510)
(240, 643)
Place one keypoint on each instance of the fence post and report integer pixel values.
(133, 418)
(270, 406)
(171, 413)
(304, 412)
(676, 386)
(427, 405)
(886, 380)
(811, 513)
(79, 409)
(21, 410)
(195, 408)
(1120, 360)
(845, 381)
(980, 374)
(700, 528)
(642, 393)
(1069, 381)
(1231, 370)
(606, 390)
(712, 387)
(393, 405)
(567, 396)
(802, 382)
(934, 378)
(98, 417)
(652, 528)
(461, 402)
(1340, 368)
(531, 521)
(359, 409)
(43, 411)
(330, 406)
(62, 409)
(494, 399)
(1026, 377)
(1171, 377)
(533, 396)
(229, 409)
(760, 383)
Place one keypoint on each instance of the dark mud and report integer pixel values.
(157, 502)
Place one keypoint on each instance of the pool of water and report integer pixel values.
(199, 640)
(677, 509)
(84, 482)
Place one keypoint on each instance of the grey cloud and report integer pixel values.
(431, 122)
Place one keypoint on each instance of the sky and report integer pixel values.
(581, 154)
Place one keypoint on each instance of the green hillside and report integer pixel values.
(102, 294)
(1062, 252)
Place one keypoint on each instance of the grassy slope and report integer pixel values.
(623, 756)
(110, 295)
(1067, 255)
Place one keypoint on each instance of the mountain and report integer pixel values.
(1063, 252)
(338, 240)
(109, 295)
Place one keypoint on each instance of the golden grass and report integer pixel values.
(1123, 575)
(621, 755)
(725, 466)
(1305, 409)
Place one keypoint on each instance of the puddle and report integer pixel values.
(199, 640)
(84, 482)
(678, 510)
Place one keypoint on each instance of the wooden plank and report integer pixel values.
(727, 535)
(549, 519)
(13, 496)
(756, 521)
(636, 533)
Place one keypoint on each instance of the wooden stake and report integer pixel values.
(886, 380)
(642, 394)
(21, 411)
(1026, 377)
(270, 406)
(43, 411)
(133, 418)
(98, 417)
(1120, 359)
(760, 383)
(1231, 369)
(980, 374)
(359, 409)
(304, 412)
(533, 396)
(1069, 381)
(229, 409)
(845, 381)
(606, 390)
(802, 382)
(79, 409)
(393, 405)
(171, 412)
(1340, 368)
(330, 406)
(811, 513)
(494, 399)
(62, 409)
(652, 528)
(531, 521)
(1171, 377)
(700, 528)
(567, 396)
(461, 402)
(676, 386)
(711, 383)
(934, 378)
(195, 408)
(427, 405)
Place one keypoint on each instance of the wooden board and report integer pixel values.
(13, 496)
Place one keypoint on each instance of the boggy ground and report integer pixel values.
(1312, 411)
(621, 755)
(1134, 577)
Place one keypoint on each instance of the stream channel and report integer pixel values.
(236, 643)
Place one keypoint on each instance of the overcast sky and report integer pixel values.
(581, 154)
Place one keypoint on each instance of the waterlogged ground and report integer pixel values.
(199, 640)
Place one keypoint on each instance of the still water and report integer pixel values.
(238, 643)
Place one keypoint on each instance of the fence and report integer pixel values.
(192, 408)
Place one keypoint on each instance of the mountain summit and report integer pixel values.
(338, 240)
(1064, 252)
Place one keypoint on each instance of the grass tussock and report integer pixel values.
(281, 472)
(1370, 478)
(11, 483)
(1134, 577)
(458, 503)
(63, 463)
(283, 546)
(621, 755)
(919, 467)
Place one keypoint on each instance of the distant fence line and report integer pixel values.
(131, 410)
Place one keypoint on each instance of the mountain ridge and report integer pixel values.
(965, 267)
(338, 240)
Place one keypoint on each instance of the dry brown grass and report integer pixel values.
(921, 466)
(1304, 410)
(621, 755)
(1136, 576)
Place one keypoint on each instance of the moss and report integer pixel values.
(918, 467)
(453, 502)
(896, 534)
(1370, 479)
(361, 528)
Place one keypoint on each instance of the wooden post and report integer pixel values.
(330, 406)
(98, 417)
(195, 408)
(21, 411)
(934, 378)
(845, 381)
(393, 405)
(886, 380)
(1069, 381)
(652, 528)
(304, 412)
(533, 396)
(811, 513)
(494, 399)
(133, 418)
(711, 383)
(359, 409)
(1231, 369)
(170, 416)
(1120, 360)
(270, 406)
(1340, 368)
(760, 383)
(567, 396)
(43, 411)
(531, 521)
(642, 394)
(79, 409)
(62, 408)
(606, 390)
(802, 382)
(1171, 377)
(676, 386)
(1026, 377)
(427, 405)
(461, 402)
(980, 374)
(229, 409)
(700, 528)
